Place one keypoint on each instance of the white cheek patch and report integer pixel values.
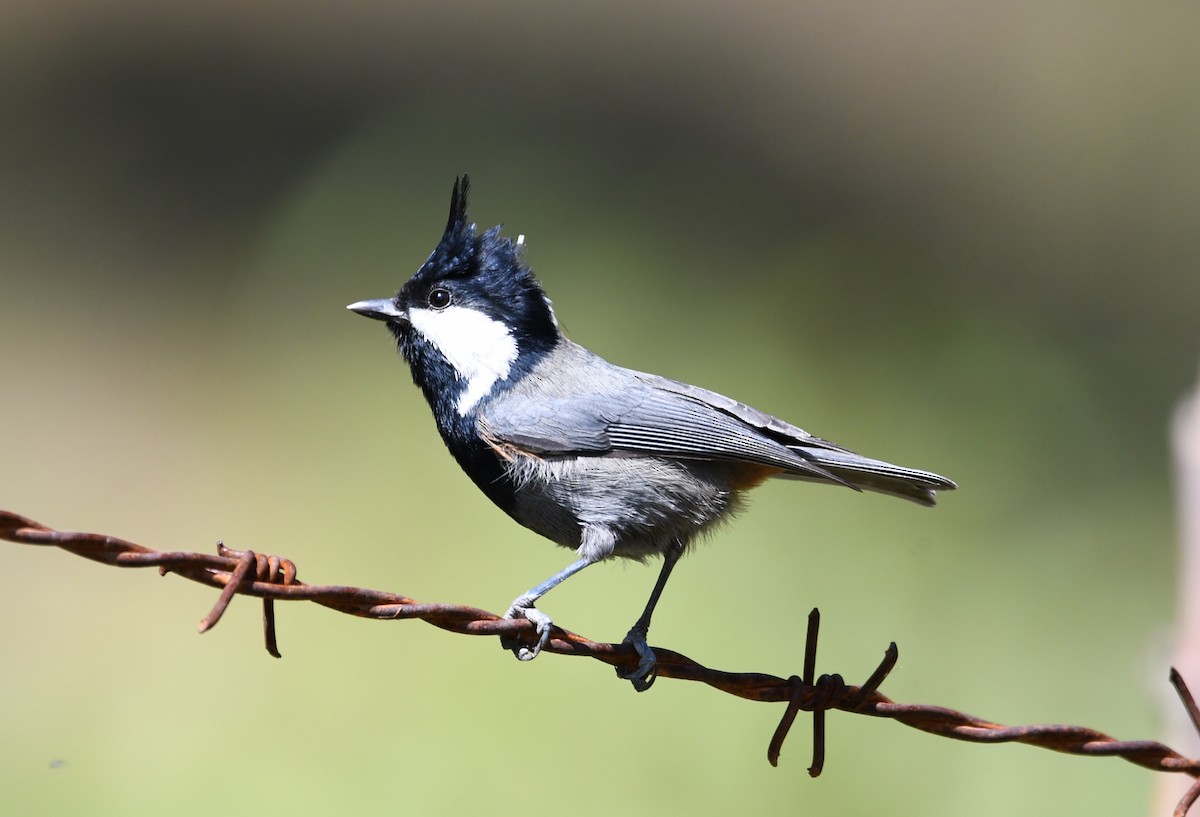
(480, 349)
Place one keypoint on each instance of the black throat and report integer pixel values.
(443, 387)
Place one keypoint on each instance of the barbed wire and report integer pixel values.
(272, 578)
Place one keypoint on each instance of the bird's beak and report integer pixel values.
(381, 309)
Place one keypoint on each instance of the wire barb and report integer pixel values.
(1189, 704)
(272, 578)
(820, 695)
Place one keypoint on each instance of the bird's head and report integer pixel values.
(472, 317)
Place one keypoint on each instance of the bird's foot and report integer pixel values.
(523, 608)
(643, 677)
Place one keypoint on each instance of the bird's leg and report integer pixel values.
(643, 677)
(523, 607)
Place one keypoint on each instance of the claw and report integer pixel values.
(521, 608)
(644, 676)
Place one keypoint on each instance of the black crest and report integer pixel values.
(486, 271)
(457, 251)
(458, 204)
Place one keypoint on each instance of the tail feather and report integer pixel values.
(876, 475)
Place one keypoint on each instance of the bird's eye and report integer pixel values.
(439, 298)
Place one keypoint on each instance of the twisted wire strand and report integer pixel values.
(273, 578)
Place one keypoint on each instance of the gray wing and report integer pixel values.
(608, 410)
(777, 429)
(842, 463)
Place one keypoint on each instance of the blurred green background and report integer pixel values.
(957, 236)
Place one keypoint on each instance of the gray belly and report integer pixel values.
(621, 506)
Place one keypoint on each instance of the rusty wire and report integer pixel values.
(273, 578)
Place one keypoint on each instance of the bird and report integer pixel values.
(607, 461)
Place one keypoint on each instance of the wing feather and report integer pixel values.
(617, 411)
(576, 403)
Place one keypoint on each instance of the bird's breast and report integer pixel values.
(645, 503)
